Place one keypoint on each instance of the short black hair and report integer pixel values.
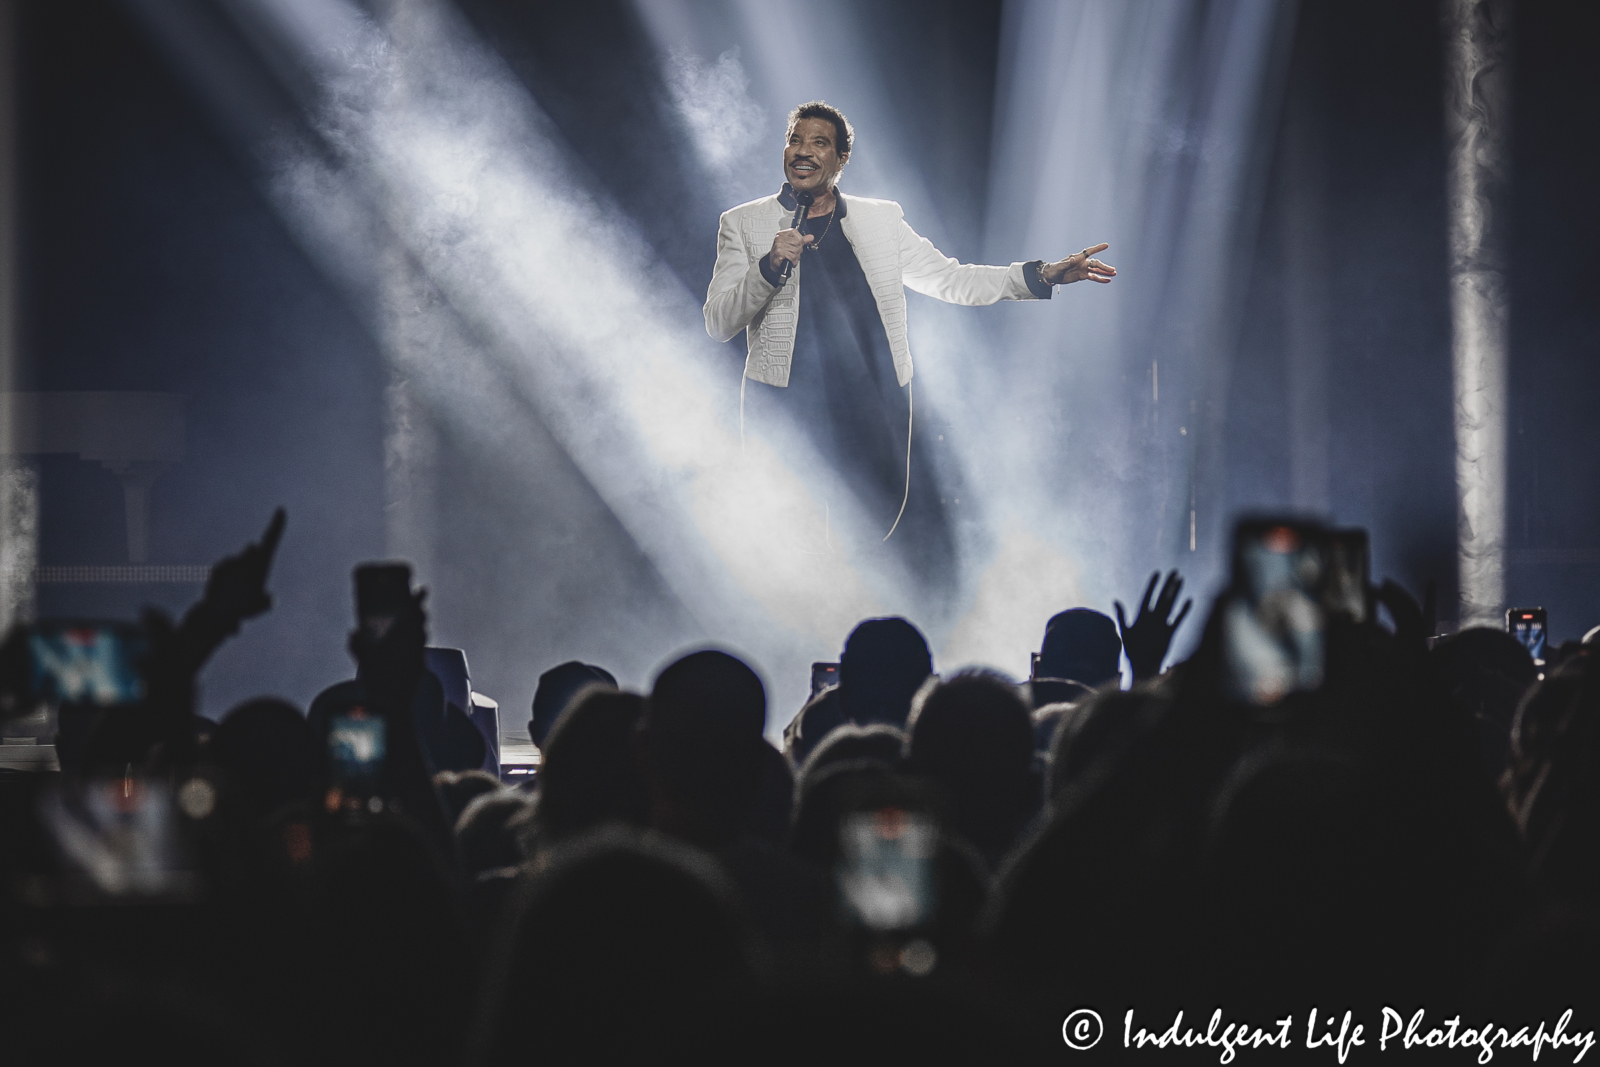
(845, 136)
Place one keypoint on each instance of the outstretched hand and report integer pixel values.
(1146, 642)
(1077, 268)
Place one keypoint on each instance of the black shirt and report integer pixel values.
(842, 387)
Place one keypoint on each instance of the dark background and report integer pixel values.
(149, 260)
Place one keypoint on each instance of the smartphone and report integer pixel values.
(1274, 617)
(1528, 626)
(95, 664)
(822, 676)
(1349, 575)
(357, 744)
(886, 868)
(382, 592)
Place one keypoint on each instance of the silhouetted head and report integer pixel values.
(701, 736)
(1095, 733)
(492, 831)
(557, 687)
(617, 921)
(1042, 691)
(823, 798)
(1082, 645)
(1553, 784)
(973, 735)
(264, 750)
(1487, 671)
(588, 774)
(879, 743)
(885, 661)
(457, 789)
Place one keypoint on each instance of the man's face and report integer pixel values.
(811, 160)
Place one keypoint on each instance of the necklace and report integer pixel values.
(818, 242)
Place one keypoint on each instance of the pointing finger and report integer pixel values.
(269, 539)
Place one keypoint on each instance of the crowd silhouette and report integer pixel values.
(935, 867)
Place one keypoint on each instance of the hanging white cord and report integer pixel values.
(909, 412)
(742, 380)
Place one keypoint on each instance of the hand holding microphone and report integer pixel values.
(789, 244)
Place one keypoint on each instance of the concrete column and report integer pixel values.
(19, 481)
(1477, 124)
(19, 537)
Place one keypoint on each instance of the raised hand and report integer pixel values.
(237, 589)
(1146, 642)
(1079, 267)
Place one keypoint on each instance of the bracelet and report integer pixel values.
(1042, 279)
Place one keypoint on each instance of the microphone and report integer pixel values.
(802, 205)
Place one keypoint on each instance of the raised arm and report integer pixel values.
(738, 288)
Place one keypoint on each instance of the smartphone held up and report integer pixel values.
(1290, 576)
(1531, 629)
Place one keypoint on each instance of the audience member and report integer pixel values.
(1487, 672)
(557, 687)
(704, 759)
(622, 946)
(262, 749)
(1553, 781)
(820, 716)
(973, 736)
(457, 789)
(589, 774)
(675, 882)
(701, 745)
(885, 662)
(1080, 645)
(879, 742)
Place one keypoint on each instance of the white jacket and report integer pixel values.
(891, 254)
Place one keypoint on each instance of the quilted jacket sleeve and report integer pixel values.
(738, 289)
(932, 273)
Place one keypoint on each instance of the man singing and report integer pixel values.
(832, 354)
